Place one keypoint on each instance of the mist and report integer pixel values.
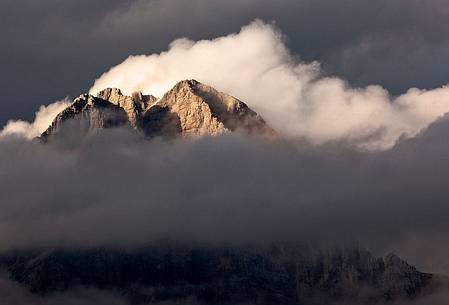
(116, 189)
(113, 189)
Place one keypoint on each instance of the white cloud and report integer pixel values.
(256, 66)
(43, 118)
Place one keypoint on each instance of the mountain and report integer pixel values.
(198, 274)
(276, 274)
(189, 109)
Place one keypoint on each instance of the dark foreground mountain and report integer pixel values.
(189, 109)
(278, 274)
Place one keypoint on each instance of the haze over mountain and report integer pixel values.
(167, 233)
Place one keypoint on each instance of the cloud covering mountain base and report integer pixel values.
(114, 188)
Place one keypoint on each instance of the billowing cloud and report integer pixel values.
(256, 66)
(43, 118)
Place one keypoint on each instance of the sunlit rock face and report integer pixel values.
(87, 113)
(134, 105)
(189, 109)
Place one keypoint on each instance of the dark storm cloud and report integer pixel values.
(113, 189)
(51, 49)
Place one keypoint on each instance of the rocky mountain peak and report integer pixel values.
(396, 265)
(202, 110)
(190, 108)
(133, 105)
(87, 113)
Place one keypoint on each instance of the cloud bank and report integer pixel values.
(115, 189)
(256, 66)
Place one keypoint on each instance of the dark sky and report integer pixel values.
(51, 49)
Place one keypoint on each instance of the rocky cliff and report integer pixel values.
(278, 274)
(189, 109)
(134, 105)
(87, 113)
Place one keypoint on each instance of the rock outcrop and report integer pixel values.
(85, 114)
(189, 109)
(278, 274)
(133, 105)
(198, 109)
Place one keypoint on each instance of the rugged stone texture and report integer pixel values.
(400, 277)
(85, 114)
(184, 112)
(134, 106)
(280, 274)
(189, 109)
(192, 108)
(356, 276)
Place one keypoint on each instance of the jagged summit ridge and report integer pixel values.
(190, 108)
(133, 105)
(87, 113)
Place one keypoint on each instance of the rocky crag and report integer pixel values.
(189, 109)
